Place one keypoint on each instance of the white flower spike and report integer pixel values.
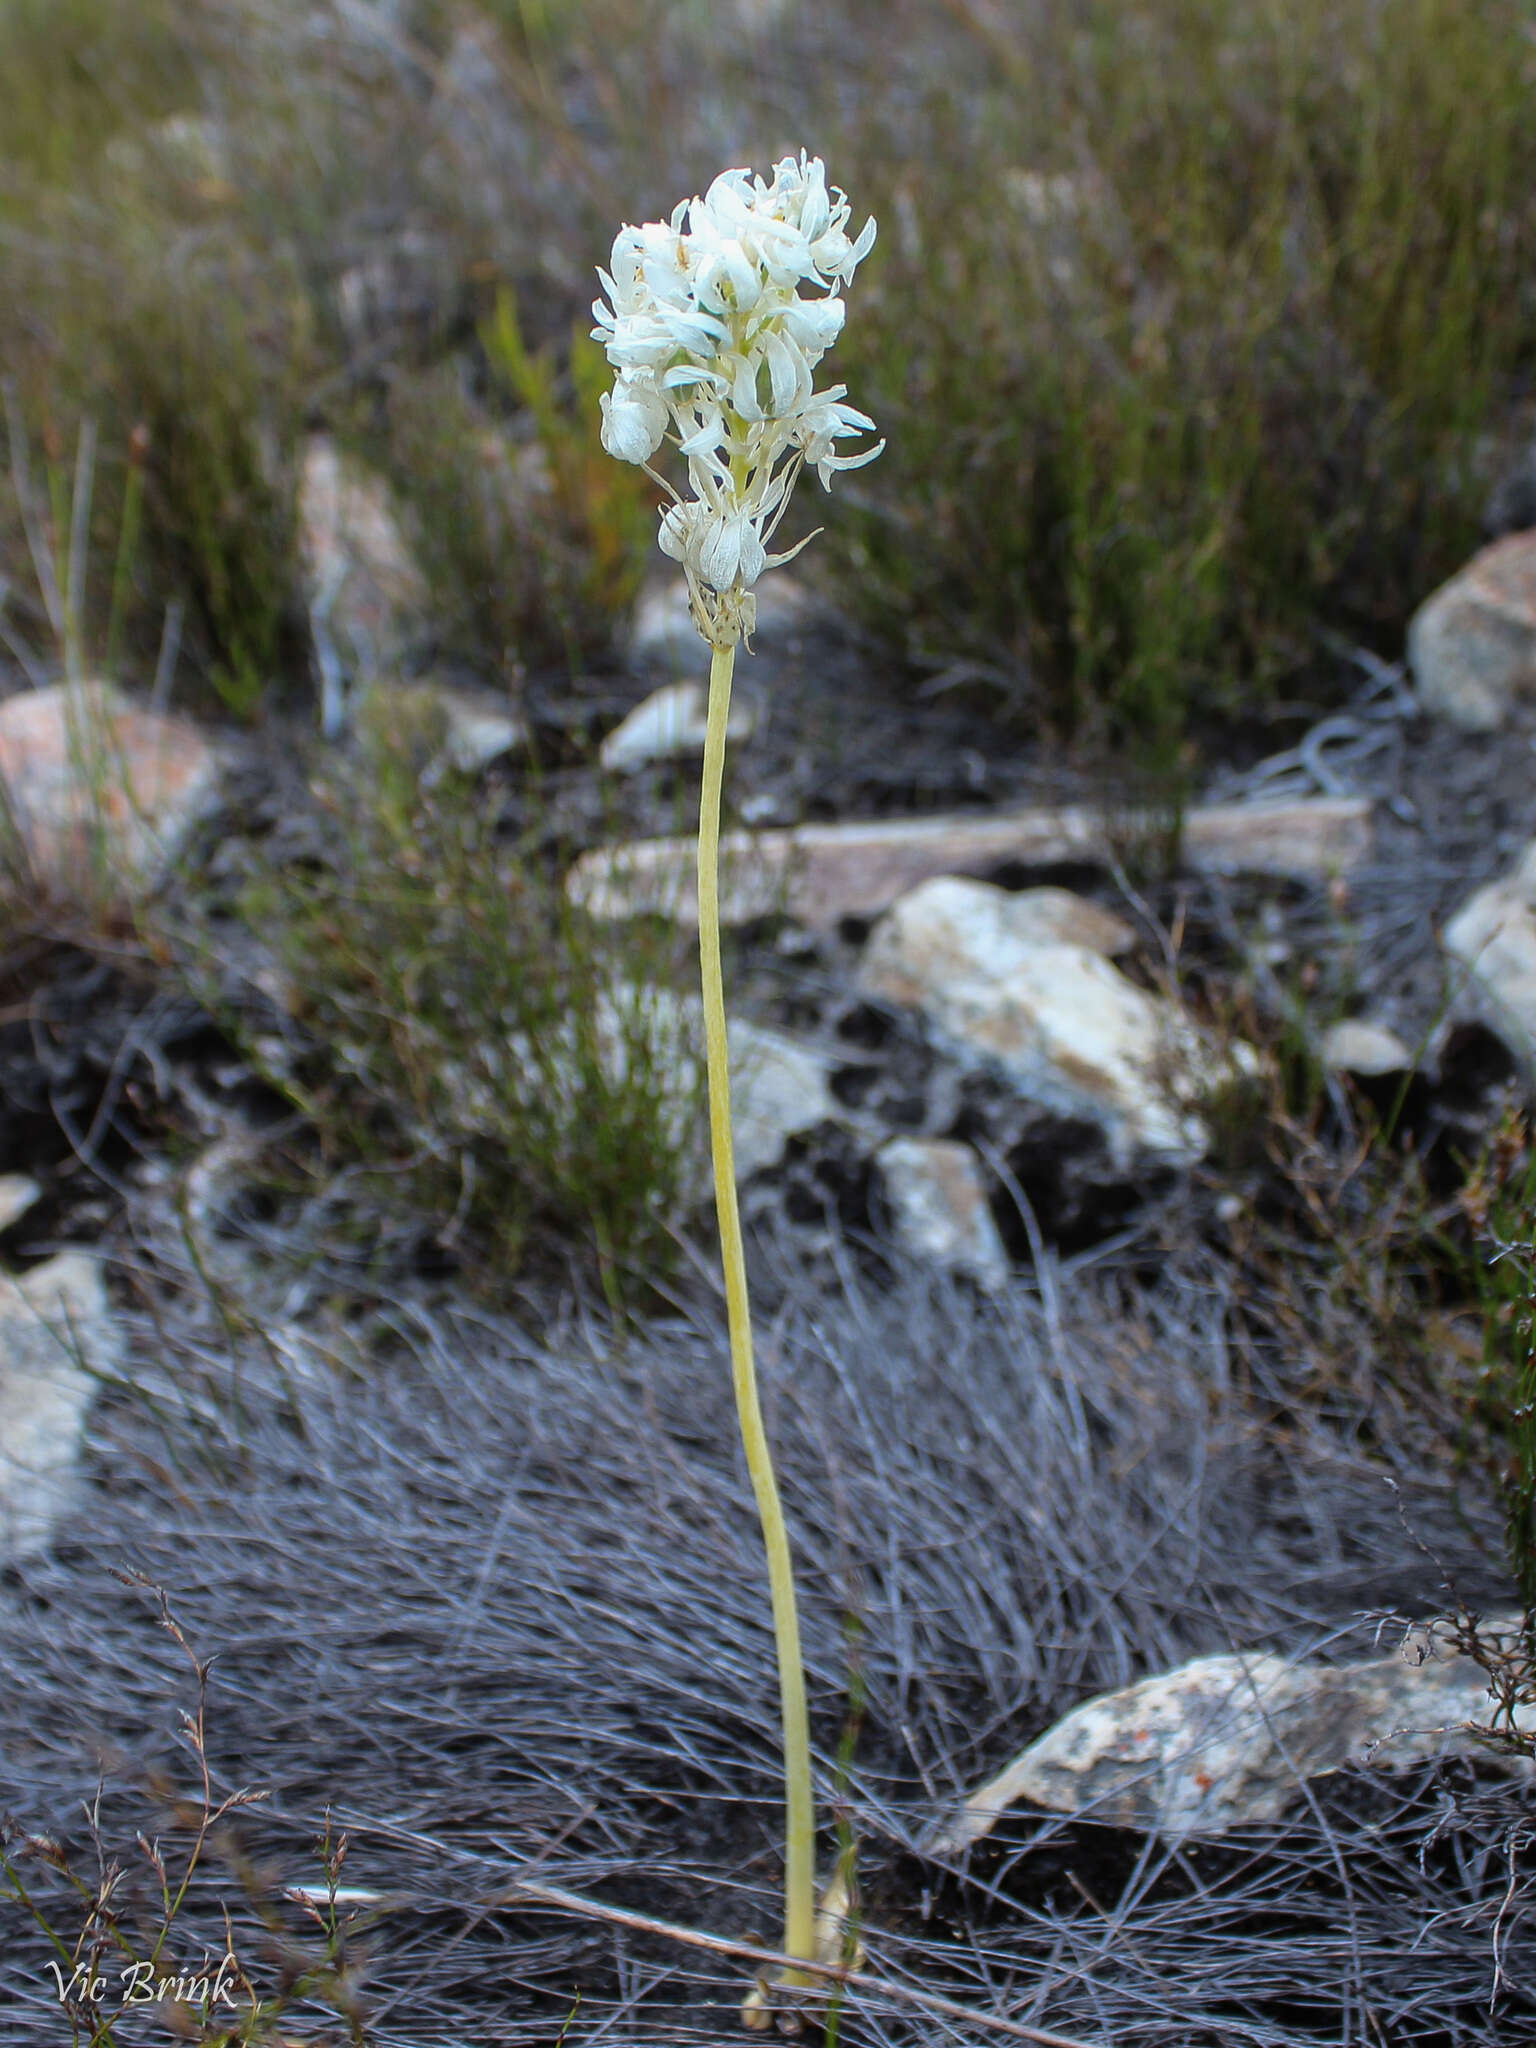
(709, 332)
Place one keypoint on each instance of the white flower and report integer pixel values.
(708, 329)
(634, 419)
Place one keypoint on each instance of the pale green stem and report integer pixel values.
(800, 1815)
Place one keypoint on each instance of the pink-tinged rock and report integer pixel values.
(1472, 644)
(98, 795)
(820, 874)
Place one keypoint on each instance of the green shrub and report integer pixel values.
(1189, 318)
(498, 1068)
(534, 541)
(132, 299)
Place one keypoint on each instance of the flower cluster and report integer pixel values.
(709, 334)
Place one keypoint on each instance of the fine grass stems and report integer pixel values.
(456, 1608)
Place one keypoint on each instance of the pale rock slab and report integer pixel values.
(99, 796)
(1472, 643)
(1356, 1045)
(669, 725)
(1224, 1741)
(363, 586)
(939, 1207)
(1493, 936)
(820, 874)
(1067, 1028)
(57, 1335)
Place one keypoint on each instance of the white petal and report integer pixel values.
(788, 374)
(706, 436)
(862, 246)
(754, 558)
(719, 549)
(677, 525)
(684, 374)
(815, 206)
(634, 421)
(814, 324)
(744, 387)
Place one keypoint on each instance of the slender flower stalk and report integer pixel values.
(712, 338)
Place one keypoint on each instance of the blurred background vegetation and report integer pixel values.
(1199, 329)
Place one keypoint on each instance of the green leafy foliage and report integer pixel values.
(506, 1073)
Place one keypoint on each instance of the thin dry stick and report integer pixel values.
(837, 1973)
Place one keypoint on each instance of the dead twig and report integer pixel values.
(767, 1958)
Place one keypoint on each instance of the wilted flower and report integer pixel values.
(709, 332)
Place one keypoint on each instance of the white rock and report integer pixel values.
(1493, 936)
(1357, 1046)
(1066, 1027)
(57, 1334)
(1223, 1741)
(476, 729)
(17, 1194)
(939, 1207)
(670, 724)
(1472, 643)
(101, 795)
(778, 1091)
(363, 586)
(820, 874)
(779, 1084)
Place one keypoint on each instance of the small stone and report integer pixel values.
(1356, 1046)
(101, 795)
(17, 1195)
(939, 1206)
(1493, 936)
(779, 1089)
(57, 1338)
(669, 725)
(780, 1085)
(1472, 644)
(475, 729)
